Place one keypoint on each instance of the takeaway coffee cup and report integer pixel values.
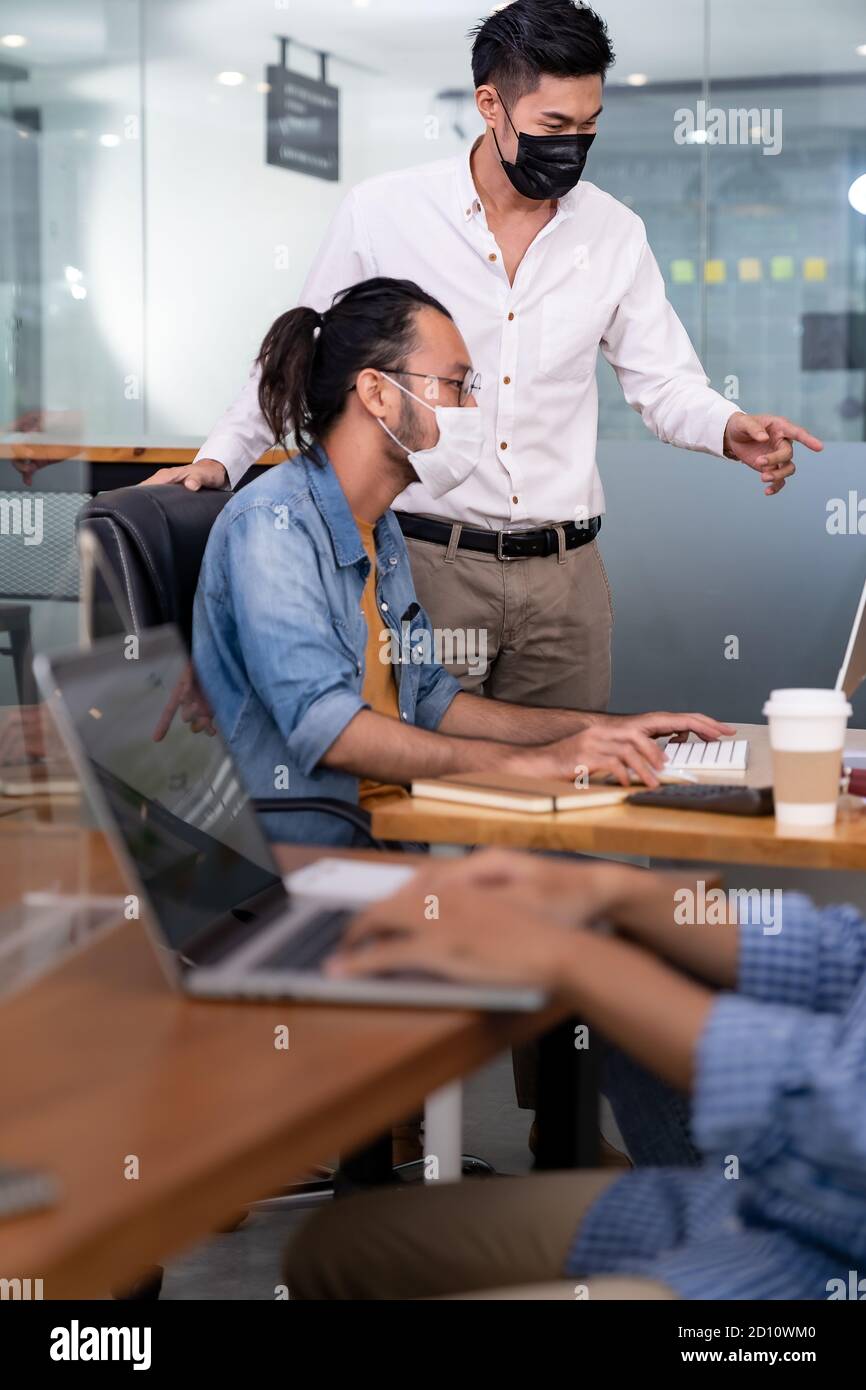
(807, 738)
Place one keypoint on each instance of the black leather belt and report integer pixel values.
(505, 545)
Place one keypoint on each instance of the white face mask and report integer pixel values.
(457, 452)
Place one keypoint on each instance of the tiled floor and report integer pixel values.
(246, 1264)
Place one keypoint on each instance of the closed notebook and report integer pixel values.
(503, 791)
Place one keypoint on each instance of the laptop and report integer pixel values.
(220, 916)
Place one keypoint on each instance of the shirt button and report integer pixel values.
(393, 560)
(492, 256)
(404, 715)
(510, 317)
(384, 608)
(506, 381)
(503, 445)
(515, 500)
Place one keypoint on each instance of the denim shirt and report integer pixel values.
(279, 639)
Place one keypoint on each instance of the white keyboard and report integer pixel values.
(727, 758)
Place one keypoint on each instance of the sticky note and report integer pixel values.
(683, 272)
(715, 272)
(782, 267)
(749, 268)
(814, 268)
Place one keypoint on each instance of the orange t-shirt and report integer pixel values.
(380, 686)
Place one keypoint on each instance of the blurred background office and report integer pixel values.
(153, 223)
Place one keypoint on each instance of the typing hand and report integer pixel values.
(659, 722)
(610, 748)
(573, 894)
(478, 935)
(766, 443)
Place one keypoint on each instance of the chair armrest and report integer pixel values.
(324, 805)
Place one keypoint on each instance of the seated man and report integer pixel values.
(766, 1029)
(308, 638)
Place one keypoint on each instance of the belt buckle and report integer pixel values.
(500, 553)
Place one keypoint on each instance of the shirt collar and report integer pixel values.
(333, 507)
(470, 203)
(336, 513)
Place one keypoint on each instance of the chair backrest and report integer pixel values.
(153, 539)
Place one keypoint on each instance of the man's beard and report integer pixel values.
(408, 431)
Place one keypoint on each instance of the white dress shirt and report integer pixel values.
(587, 281)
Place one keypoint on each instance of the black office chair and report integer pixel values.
(153, 540)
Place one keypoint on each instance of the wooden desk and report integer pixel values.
(645, 830)
(120, 465)
(101, 1060)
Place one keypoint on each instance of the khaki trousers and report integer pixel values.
(542, 626)
(482, 1238)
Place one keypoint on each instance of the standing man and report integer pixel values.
(540, 269)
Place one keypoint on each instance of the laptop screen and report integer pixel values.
(171, 789)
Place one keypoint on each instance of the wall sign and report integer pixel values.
(303, 124)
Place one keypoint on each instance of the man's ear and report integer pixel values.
(372, 391)
(488, 103)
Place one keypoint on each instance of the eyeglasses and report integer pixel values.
(466, 387)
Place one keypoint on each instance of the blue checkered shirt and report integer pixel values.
(777, 1208)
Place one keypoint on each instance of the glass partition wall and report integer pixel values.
(146, 241)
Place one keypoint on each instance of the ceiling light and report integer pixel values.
(109, 141)
(231, 79)
(263, 86)
(78, 291)
(637, 79)
(13, 41)
(73, 275)
(857, 194)
(861, 49)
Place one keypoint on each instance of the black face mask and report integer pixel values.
(547, 166)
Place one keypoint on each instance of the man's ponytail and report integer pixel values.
(286, 364)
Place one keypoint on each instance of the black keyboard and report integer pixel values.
(733, 801)
(307, 948)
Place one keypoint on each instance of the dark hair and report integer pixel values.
(308, 361)
(518, 44)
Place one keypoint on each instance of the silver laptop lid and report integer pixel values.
(170, 798)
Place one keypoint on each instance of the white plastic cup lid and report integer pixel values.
(807, 703)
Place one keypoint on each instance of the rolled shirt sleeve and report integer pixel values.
(657, 367)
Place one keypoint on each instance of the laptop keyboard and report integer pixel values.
(307, 948)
